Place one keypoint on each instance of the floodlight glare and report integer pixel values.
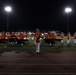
(67, 10)
(8, 9)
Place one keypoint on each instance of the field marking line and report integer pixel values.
(25, 64)
(38, 73)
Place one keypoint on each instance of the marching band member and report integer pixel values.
(37, 40)
(50, 35)
(25, 35)
(12, 35)
(45, 35)
(18, 35)
(68, 37)
(7, 35)
(62, 37)
(21, 36)
(55, 35)
(3, 35)
(75, 38)
(0, 35)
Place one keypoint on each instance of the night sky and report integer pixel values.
(43, 14)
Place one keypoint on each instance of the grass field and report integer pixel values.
(30, 47)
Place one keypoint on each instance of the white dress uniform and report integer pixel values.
(68, 38)
(75, 38)
(37, 39)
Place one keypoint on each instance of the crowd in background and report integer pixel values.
(37, 36)
(32, 35)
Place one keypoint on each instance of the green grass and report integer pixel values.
(30, 47)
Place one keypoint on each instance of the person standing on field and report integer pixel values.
(37, 40)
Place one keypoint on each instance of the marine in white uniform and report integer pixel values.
(37, 40)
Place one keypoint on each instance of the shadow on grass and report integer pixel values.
(53, 49)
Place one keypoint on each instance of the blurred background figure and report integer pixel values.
(75, 38)
(62, 37)
(68, 38)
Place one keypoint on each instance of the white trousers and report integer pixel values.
(37, 47)
(74, 41)
(68, 41)
(62, 41)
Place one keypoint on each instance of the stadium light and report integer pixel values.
(8, 9)
(68, 10)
